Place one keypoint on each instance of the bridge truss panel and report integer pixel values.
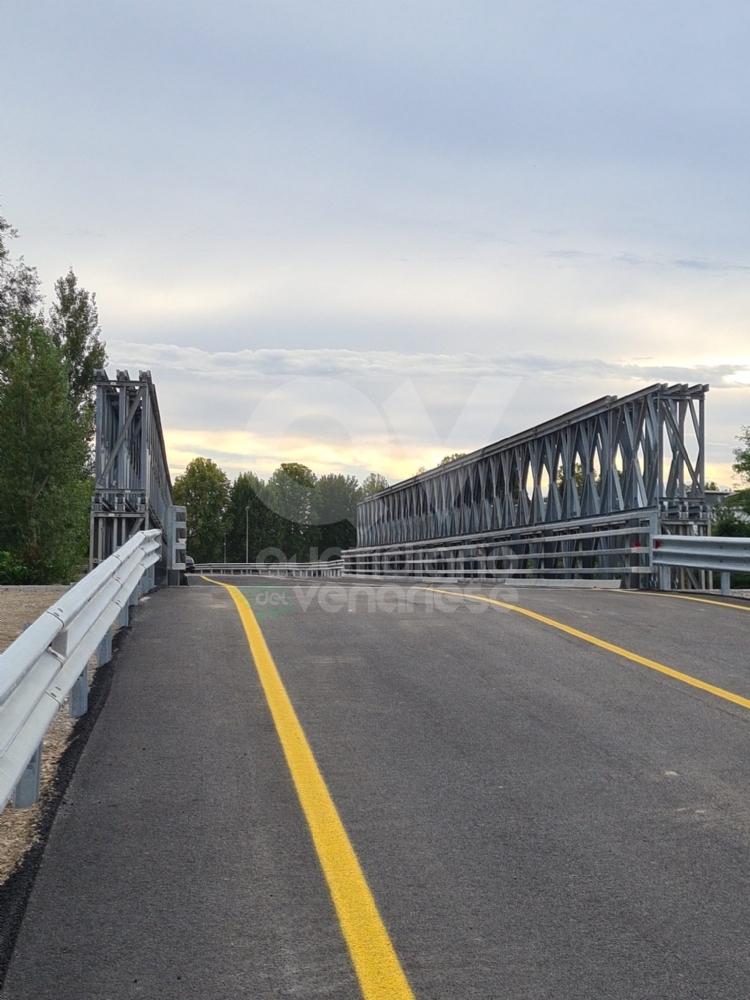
(133, 489)
(642, 452)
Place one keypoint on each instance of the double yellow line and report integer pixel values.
(372, 953)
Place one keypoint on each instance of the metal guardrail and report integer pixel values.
(598, 548)
(609, 552)
(332, 568)
(712, 553)
(49, 661)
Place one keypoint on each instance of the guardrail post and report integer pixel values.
(665, 577)
(123, 619)
(28, 787)
(104, 651)
(725, 591)
(78, 700)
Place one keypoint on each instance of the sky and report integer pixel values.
(435, 224)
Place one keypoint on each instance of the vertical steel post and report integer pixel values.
(78, 700)
(104, 651)
(28, 788)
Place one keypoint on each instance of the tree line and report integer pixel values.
(47, 365)
(293, 514)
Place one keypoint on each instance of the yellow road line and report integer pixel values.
(681, 597)
(376, 964)
(610, 647)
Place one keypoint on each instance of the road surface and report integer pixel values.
(534, 805)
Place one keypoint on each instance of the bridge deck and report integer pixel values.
(536, 815)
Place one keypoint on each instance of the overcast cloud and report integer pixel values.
(438, 192)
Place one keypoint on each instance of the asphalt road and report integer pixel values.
(536, 816)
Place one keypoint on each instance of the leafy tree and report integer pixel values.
(289, 493)
(335, 511)
(732, 517)
(741, 466)
(374, 483)
(729, 521)
(290, 490)
(247, 508)
(204, 490)
(74, 324)
(742, 455)
(451, 458)
(6, 232)
(44, 491)
(19, 287)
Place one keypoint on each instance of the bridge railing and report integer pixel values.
(711, 553)
(48, 662)
(597, 548)
(602, 551)
(332, 568)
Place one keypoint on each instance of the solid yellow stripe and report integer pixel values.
(610, 647)
(682, 597)
(376, 964)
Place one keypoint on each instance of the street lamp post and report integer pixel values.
(247, 536)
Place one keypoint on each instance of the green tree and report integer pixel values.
(373, 483)
(204, 490)
(741, 467)
(289, 493)
(247, 509)
(732, 517)
(19, 288)
(6, 232)
(729, 521)
(74, 324)
(451, 458)
(335, 511)
(45, 493)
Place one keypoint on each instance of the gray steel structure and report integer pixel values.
(635, 462)
(133, 489)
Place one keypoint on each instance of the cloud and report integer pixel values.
(686, 263)
(277, 364)
(710, 265)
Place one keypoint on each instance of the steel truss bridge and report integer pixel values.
(578, 496)
(133, 489)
